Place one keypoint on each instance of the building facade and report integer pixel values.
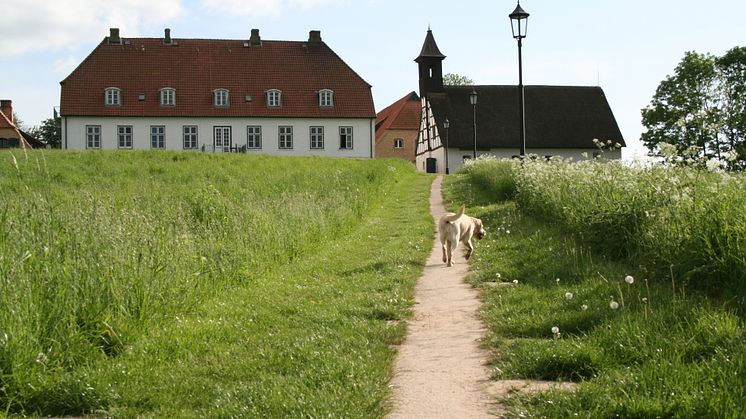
(397, 128)
(254, 95)
(560, 121)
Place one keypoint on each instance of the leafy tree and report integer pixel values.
(732, 70)
(700, 110)
(49, 132)
(451, 79)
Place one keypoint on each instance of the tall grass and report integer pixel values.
(680, 221)
(96, 247)
(594, 273)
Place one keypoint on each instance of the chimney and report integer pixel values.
(255, 40)
(167, 36)
(314, 38)
(6, 107)
(114, 38)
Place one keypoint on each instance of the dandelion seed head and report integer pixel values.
(584, 307)
(555, 330)
(568, 295)
(629, 279)
(614, 305)
(515, 281)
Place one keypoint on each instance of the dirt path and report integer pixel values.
(440, 370)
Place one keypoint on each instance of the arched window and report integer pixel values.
(274, 98)
(113, 96)
(168, 96)
(326, 98)
(221, 97)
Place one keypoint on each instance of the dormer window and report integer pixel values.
(326, 98)
(113, 96)
(274, 98)
(221, 96)
(168, 96)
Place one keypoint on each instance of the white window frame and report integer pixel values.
(254, 137)
(124, 136)
(168, 96)
(93, 136)
(113, 96)
(398, 143)
(219, 134)
(158, 136)
(345, 138)
(191, 137)
(274, 98)
(285, 137)
(326, 98)
(221, 98)
(317, 137)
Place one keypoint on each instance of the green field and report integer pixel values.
(630, 282)
(204, 285)
(149, 284)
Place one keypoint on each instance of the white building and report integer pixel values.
(278, 97)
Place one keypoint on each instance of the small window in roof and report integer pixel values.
(221, 97)
(113, 96)
(326, 98)
(274, 98)
(168, 96)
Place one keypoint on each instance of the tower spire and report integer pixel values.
(430, 63)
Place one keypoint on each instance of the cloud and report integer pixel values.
(261, 7)
(36, 25)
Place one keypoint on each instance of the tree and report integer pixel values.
(49, 132)
(451, 79)
(700, 110)
(732, 70)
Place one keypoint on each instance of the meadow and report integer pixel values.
(204, 285)
(629, 281)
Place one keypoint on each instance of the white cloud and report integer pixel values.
(34, 25)
(65, 66)
(261, 7)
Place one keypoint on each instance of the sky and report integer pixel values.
(625, 47)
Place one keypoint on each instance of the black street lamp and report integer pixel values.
(446, 125)
(519, 24)
(473, 100)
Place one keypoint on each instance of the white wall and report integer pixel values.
(456, 156)
(74, 133)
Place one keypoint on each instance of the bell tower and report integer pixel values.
(430, 63)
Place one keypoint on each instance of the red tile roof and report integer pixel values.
(404, 114)
(196, 67)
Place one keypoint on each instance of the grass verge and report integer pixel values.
(557, 309)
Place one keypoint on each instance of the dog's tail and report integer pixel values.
(453, 217)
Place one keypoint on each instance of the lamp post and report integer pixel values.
(473, 101)
(519, 24)
(446, 125)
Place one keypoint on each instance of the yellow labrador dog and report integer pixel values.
(458, 227)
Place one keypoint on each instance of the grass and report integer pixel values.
(183, 285)
(671, 348)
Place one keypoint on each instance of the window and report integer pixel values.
(317, 137)
(345, 138)
(168, 96)
(124, 136)
(113, 96)
(326, 98)
(157, 136)
(221, 97)
(253, 136)
(285, 137)
(398, 143)
(93, 136)
(223, 137)
(190, 137)
(274, 98)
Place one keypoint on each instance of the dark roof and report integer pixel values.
(403, 114)
(556, 116)
(430, 48)
(196, 67)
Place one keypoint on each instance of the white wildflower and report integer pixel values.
(555, 330)
(568, 295)
(515, 281)
(584, 307)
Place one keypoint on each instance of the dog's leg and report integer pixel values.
(443, 246)
(449, 251)
(469, 248)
